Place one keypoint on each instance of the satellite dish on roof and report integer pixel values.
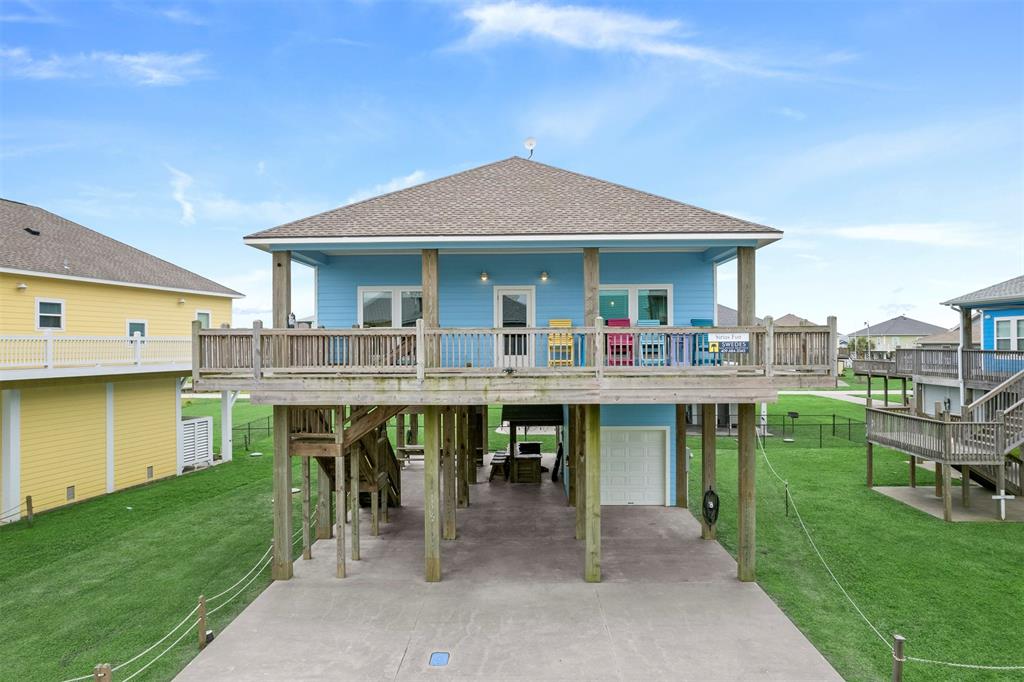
(530, 143)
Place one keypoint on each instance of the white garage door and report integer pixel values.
(632, 466)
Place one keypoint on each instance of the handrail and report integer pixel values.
(259, 353)
(49, 351)
(995, 392)
(954, 442)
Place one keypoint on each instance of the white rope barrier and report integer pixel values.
(814, 546)
(161, 654)
(821, 558)
(158, 642)
(251, 575)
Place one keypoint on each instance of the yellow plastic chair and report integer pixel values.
(560, 346)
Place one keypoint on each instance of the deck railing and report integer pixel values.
(992, 366)
(949, 442)
(262, 353)
(49, 351)
(980, 366)
(878, 367)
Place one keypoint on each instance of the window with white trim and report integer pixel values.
(135, 326)
(1009, 333)
(49, 314)
(390, 306)
(636, 302)
(204, 318)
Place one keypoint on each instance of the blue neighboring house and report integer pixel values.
(520, 283)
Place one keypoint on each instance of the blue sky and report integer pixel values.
(886, 139)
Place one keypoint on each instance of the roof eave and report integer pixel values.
(112, 282)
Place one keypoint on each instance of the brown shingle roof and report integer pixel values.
(1009, 291)
(513, 197)
(54, 242)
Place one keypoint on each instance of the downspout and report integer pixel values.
(960, 363)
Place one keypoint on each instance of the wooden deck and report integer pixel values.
(416, 366)
(981, 368)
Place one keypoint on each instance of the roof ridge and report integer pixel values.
(385, 194)
(644, 192)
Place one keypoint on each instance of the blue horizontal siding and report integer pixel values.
(466, 301)
(988, 325)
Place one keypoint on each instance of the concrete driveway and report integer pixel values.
(513, 605)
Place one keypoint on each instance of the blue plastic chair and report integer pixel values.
(652, 345)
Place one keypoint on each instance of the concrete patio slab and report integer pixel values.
(513, 605)
(983, 507)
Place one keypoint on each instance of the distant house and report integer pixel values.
(727, 317)
(791, 320)
(899, 332)
(94, 347)
(951, 338)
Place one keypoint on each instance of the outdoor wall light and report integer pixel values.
(544, 276)
(21, 286)
(181, 301)
(484, 276)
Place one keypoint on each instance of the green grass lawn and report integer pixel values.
(954, 590)
(102, 580)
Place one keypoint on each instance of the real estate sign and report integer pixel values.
(729, 342)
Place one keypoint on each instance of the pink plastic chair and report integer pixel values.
(619, 351)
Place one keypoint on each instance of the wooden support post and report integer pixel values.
(30, 515)
(581, 467)
(448, 475)
(281, 566)
(947, 493)
(570, 456)
(871, 464)
(903, 388)
(965, 485)
(414, 429)
(913, 471)
(682, 462)
(708, 446)
(746, 277)
(592, 560)
(340, 508)
(940, 414)
(938, 479)
(462, 455)
(485, 429)
(324, 530)
(355, 455)
(431, 493)
(103, 673)
(747, 480)
(374, 489)
(307, 507)
(201, 623)
(885, 389)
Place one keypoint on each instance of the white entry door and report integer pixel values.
(633, 465)
(513, 309)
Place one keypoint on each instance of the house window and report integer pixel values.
(1010, 333)
(136, 327)
(637, 302)
(204, 318)
(49, 314)
(390, 306)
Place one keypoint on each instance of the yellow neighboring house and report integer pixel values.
(94, 348)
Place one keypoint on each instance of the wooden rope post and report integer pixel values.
(913, 471)
(897, 658)
(201, 623)
(29, 514)
(871, 464)
(102, 673)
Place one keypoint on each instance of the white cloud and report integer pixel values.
(180, 182)
(180, 15)
(793, 114)
(942, 234)
(143, 68)
(27, 12)
(598, 29)
(392, 185)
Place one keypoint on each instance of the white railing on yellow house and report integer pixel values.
(57, 351)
